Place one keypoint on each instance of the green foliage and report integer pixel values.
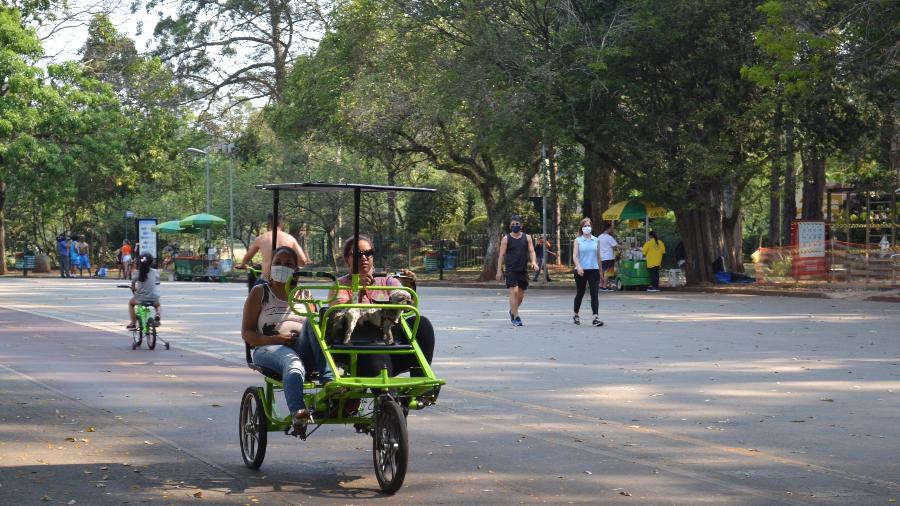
(437, 215)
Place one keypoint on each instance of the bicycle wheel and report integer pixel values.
(151, 335)
(253, 428)
(390, 446)
(137, 337)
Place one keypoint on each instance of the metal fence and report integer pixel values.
(425, 254)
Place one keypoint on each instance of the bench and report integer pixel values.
(25, 263)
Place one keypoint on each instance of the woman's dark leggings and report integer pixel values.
(371, 365)
(591, 276)
(654, 276)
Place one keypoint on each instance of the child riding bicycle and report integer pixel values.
(144, 285)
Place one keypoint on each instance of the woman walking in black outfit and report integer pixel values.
(586, 254)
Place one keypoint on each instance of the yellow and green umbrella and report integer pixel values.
(633, 210)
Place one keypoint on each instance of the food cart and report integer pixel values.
(631, 267)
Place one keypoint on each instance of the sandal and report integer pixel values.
(576, 320)
(301, 419)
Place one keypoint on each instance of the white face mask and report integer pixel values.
(281, 273)
(586, 229)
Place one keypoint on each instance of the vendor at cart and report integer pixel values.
(607, 245)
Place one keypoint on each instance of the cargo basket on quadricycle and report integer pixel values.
(373, 405)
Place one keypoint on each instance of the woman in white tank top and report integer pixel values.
(276, 334)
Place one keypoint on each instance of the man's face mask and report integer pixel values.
(516, 228)
(281, 273)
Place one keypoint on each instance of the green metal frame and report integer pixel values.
(417, 392)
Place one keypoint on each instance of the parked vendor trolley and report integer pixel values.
(383, 400)
(631, 267)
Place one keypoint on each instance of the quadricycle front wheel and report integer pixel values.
(390, 445)
(253, 429)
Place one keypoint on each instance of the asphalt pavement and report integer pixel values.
(679, 399)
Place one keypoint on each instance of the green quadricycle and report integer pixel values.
(373, 405)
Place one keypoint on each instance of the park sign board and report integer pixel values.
(808, 244)
(146, 236)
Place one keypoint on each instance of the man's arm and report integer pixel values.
(302, 259)
(532, 254)
(254, 248)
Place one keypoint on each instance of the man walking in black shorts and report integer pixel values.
(516, 249)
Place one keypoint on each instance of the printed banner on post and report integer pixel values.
(808, 241)
(146, 235)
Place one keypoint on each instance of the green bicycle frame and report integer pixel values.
(143, 315)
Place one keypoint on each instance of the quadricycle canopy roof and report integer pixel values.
(357, 189)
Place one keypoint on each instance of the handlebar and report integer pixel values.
(297, 274)
(315, 274)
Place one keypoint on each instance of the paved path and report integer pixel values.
(680, 399)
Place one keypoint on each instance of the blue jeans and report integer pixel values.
(287, 359)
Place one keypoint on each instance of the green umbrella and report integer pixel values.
(201, 221)
(168, 227)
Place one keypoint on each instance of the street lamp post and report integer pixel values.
(227, 148)
(205, 153)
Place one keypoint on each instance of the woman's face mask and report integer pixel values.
(586, 229)
(281, 273)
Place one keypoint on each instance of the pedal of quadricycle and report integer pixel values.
(296, 432)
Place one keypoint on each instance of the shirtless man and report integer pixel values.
(263, 245)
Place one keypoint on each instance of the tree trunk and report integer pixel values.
(598, 186)
(2, 227)
(775, 181)
(733, 233)
(813, 183)
(335, 253)
(392, 203)
(280, 51)
(789, 206)
(553, 210)
(702, 234)
(496, 229)
(497, 214)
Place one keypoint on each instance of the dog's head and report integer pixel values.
(401, 297)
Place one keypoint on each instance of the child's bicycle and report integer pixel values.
(146, 325)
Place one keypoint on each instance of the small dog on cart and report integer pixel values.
(345, 321)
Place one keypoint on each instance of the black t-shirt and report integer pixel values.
(516, 253)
